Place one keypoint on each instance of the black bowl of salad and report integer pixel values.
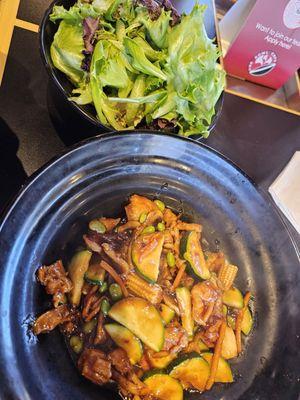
(130, 64)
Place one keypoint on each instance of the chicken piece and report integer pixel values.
(204, 296)
(110, 223)
(154, 217)
(176, 338)
(55, 279)
(170, 218)
(68, 327)
(116, 258)
(185, 226)
(94, 366)
(210, 334)
(101, 334)
(91, 243)
(120, 361)
(187, 281)
(135, 387)
(51, 319)
(116, 240)
(128, 226)
(144, 362)
(214, 261)
(137, 206)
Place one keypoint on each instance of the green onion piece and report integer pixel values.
(170, 259)
(161, 206)
(148, 229)
(143, 217)
(115, 292)
(89, 326)
(76, 344)
(96, 225)
(103, 287)
(161, 227)
(105, 306)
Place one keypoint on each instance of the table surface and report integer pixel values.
(257, 138)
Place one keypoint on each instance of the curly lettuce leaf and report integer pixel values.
(102, 5)
(150, 53)
(194, 72)
(82, 95)
(134, 112)
(109, 66)
(66, 50)
(140, 62)
(106, 71)
(121, 9)
(157, 29)
(75, 13)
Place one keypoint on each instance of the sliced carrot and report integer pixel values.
(216, 357)
(238, 323)
(179, 276)
(115, 276)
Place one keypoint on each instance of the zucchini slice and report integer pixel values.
(201, 345)
(185, 307)
(160, 362)
(233, 298)
(142, 319)
(224, 374)
(247, 322)
(146, 251)
(126, 340)
(229, 348)
(191, 370)
(95, 275)
(164, 387)
(191, 251)
(77, 269)
(166, 313)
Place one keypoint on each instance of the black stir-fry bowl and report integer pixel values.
(95, 178)
(64, 86)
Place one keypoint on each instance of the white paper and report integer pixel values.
(285, 191)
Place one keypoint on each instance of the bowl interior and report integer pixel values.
(49, 216)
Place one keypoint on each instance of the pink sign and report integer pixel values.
(267, 49)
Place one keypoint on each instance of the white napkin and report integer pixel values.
(285, 191)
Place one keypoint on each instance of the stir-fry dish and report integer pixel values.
(145, 306)
(139, 63)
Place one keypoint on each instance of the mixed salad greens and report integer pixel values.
(139, 63)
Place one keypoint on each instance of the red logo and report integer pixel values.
(262, 63)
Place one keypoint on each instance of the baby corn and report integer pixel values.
(227, 275)
(139, 287)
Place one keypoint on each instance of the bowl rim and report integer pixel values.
(80, 110)
(4, 216)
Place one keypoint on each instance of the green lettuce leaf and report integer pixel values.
(150, 53)
(83, 94)
(121, 9)
(157, 95)
(157, 29)
(75, 13)
(109, 66)
(66, 50)
(140, 62)
(102, 5)
(134, 112)
(106, 71)
(194, 72)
